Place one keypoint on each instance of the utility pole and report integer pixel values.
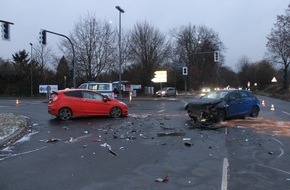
(120, 50)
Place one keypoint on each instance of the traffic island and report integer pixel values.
(12, 128)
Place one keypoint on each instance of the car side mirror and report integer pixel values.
(106, 98)
(231, 99)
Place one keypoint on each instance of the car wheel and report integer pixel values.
(255, 111)
(64, 114)
(221, 115)
(115, 112)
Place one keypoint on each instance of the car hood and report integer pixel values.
(204, 102)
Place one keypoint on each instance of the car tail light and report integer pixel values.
(53, 98)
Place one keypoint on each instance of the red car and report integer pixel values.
(65, 104)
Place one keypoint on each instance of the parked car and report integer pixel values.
(65, 104)
(103, 88)
(167, 91)
(223, 104)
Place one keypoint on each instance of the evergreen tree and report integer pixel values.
(62, 74)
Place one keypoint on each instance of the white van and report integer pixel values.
(103, 88)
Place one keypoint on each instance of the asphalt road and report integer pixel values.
(154, 141)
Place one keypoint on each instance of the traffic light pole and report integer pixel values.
(3, 21)
(73, 60)
(185, 69)
(6, 30)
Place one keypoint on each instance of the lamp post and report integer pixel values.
(31, 80)
(120, 49)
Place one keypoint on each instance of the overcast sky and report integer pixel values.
(242, 25)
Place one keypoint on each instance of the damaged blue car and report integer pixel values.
(220, 105)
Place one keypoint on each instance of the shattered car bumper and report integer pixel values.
(203, 110)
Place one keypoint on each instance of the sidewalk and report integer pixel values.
(12, 127)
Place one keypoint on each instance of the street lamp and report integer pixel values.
(120, 49)
(31, 81)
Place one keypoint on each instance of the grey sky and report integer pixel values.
(242, 25)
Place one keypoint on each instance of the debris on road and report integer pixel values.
(113, 153)
(144, 137)
(165, 179)
(66, 127)
(110, 149)
(167, 128)
(52, 140)
(205, 125)
(188, 144)
(161, 134)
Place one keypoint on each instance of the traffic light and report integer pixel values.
(184, 71)
(216, 55)
(42, 37)
(5, 31)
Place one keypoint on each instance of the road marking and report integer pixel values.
(282, 152)
(278, 141)
(225, 175)
(274, 168)
(22, 153)
(286, 112)
(160, 111)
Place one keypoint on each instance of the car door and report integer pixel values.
(234, 104)
(93, 104)
(246, 103)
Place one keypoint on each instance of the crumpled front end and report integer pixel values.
(201, 111)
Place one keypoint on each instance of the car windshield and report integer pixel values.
(215, 95)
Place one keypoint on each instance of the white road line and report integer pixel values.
(22, 153)
(286, 112)
(224, 185)
(278, 141)
(274, 169)
(160, 111)
(282, 152)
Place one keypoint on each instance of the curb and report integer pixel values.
(14, 136)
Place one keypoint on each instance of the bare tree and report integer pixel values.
(244, 73)
(148, 50)
(278, 44)
(194, 48)
(95, 45)
(43, 57)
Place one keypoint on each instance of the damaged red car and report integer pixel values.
(219, 105)
(65, 104)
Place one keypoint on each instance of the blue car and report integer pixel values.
(220, 105)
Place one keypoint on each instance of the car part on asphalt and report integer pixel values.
(161, 134)
(165, 179)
